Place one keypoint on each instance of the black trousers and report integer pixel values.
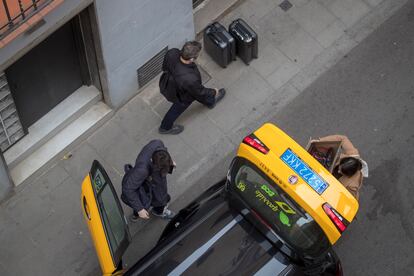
(172, 114)
(158, 203)
(178, 108)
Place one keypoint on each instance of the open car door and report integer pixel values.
(105, 218)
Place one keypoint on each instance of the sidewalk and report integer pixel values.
(42, 231)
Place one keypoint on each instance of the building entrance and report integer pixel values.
(46, 75)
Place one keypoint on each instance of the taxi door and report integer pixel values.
(105, 219)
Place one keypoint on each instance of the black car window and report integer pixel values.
(292, 223)
(112, 216)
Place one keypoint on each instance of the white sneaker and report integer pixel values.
(166, 214)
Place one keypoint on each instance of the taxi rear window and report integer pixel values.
(285, 217)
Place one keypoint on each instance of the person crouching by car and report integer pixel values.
(144, 186)
(350, 168)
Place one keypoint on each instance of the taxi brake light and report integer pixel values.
(255, 143)
(336, 218)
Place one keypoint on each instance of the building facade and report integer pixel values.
(64, 62)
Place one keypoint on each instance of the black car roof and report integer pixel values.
(222, 242)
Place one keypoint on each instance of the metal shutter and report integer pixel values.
(11, 129)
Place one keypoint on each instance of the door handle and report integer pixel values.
(86, 208)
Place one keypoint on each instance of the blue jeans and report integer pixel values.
(172, 114)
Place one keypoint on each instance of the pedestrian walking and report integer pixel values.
(181, 84)
(350, 168)
(144, 186)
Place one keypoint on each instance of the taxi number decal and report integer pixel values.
(99, 181)
(303, 170)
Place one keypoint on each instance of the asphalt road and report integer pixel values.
(369, 96)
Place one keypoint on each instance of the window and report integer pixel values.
(282, 214)
(112, 216)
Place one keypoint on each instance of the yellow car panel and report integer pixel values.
(272, 165)
(94, 222)
(105, 219)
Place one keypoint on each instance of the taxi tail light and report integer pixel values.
(255, 143)
(340, 222)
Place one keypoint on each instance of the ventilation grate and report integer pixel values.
(11, 129)
(151, 69)
(197, 3)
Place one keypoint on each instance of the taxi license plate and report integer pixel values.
(303, 170)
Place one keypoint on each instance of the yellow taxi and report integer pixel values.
(300, 176)
(277, 213)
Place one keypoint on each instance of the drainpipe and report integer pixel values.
(6, 184)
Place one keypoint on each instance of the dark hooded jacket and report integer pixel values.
(187, 80)
(143, 185)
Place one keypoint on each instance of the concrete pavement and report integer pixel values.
(41, 228)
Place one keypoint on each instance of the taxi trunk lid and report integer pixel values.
(292, 168)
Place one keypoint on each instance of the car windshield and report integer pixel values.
(285, 217)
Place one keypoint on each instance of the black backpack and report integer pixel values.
(168, 87)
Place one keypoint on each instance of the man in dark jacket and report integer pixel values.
(144, 186)
(183, 83)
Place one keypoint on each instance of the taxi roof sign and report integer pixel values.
(314, 185)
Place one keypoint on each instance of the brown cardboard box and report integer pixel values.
(327, 153)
